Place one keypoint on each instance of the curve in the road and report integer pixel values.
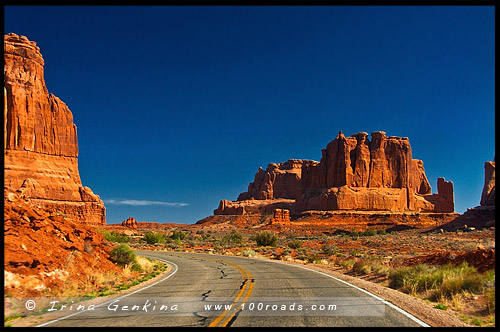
(175, 269)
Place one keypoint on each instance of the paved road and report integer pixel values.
(260, 293)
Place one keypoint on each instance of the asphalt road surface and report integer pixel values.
(203, 290)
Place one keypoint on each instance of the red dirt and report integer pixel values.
(44, 249)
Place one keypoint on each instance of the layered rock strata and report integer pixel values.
(281, 216)
(378, 175)
(354, 174)
(40, 139)
(277, 181)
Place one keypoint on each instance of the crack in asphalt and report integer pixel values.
(205, 295)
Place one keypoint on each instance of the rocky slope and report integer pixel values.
(40, 139)
(45, 250)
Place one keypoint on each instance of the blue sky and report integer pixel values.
(177, 107)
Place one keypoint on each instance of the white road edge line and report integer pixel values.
(410, 316)
(118, 298)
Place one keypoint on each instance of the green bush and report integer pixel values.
(329, 249)
(115, 237)
(122, 255)
(154, 238)
(178, 235)
(296, 244)
(232, 238)
(370, 232)
(266, 238)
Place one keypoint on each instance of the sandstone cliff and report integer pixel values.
(40, 139)
(378, 175)
(488, 194)
(274, 188)
(354, 174)
(277, 181)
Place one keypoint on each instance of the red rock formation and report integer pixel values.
(356, 174)
(277, 181)
(281, 216)
(253, 206)
(40, 140)
(130, 223)
(276, 187)
(488, 194)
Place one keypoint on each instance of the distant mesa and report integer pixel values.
(354, 174)
(40, 141)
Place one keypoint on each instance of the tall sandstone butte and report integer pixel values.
(354, 174)
(488, 194)
(378, 175)
(40, 141)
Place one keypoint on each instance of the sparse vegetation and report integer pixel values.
(265, 238)
(295, 244)
(115, 237)
(123, 256)
(154, 238)
(442, 282)
(329, 249)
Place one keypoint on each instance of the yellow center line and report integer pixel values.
(249, 291)
(248, 286)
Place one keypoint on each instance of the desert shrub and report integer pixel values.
(295, 244)
(313, 258)
(347, 263)
(443, 281)
(490, 300)
(382, 232)
(362, 267)
(178, 235)
(247, 253)
(122, 255)
(154, 238)
(370, 232)
(232, 238)
(115, 237)
(266, 238)
(329, 249)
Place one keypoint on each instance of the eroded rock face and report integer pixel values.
(276, 187)
(488, 194)
(354, 174)
(281, 216)
(378, 175)
(277, 181)
(40, 140)
(130, 223)
(253, 206)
